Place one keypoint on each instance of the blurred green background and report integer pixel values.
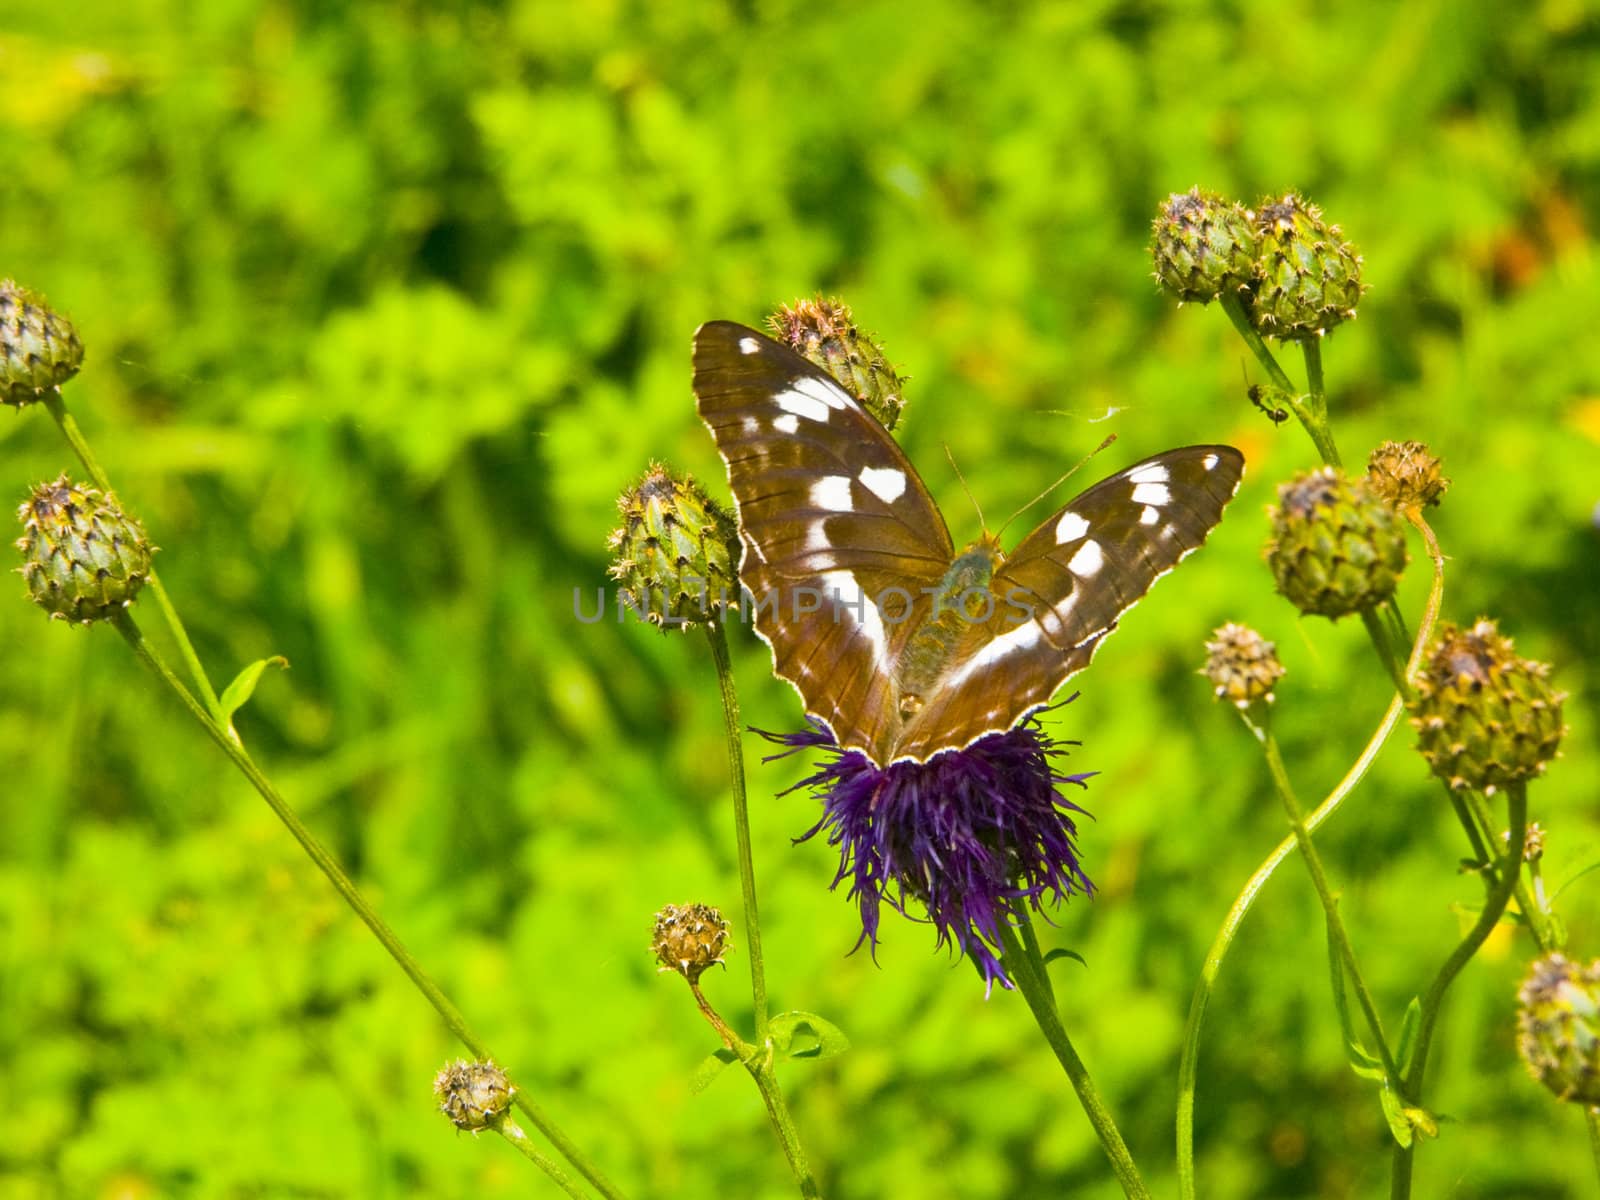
(384, 303)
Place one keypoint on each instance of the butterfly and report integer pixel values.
(903, 647)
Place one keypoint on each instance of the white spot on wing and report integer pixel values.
(751, 426)
(821, 390)
(841, 587)
(886, 483)
(1023, 637)
(1088, 560)
(1070, 528)
(1149, 516)
(832, 492)
(788, 423)
(817, 538)
(1209, 462)
(1151, 493)
(1151, 473)
(801, 405)
(748, 345)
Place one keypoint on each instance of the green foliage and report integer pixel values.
(383, 305)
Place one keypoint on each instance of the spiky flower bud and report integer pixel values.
(474, 1095)
(824, 332)
(1242, 665)
(676, 551)
(1484, 717)
(1336, 547)
(689, 938)
(1558, 1027)
(1308, 279)
(39, 348)
(83, 557)
(1406, 475)
(1203, 245)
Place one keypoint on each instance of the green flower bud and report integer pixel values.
(474, 1095)
(83, 558)
(689, 938)
(824, 333)
(676, 551)
(1242, 665)
(1336, 548)
(1484, 717)
(1203, 245)
(1307, 278)
(1406, 475)
(39, 348)
(1558, 1027)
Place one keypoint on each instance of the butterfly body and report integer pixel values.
(902, 646)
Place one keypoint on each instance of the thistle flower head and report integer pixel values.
(824, 333)
(474, 1095)
(1484, 717)
(84, 559)
(689, 938)
(1307, 278)
(963, 836)
(1336, 547)
(1242, 665)
(1558, 1027)
(676, 551)
(39, 348)
(1203, 245)
(1406, 475)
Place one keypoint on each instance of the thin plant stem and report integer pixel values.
(1189, 1060)
(169, 614)
(730, 1039)
(358, 903)
(717, 636)
(1509, 871)
(1027, 969)
(1311, 351)
(757, 1061)
(1311, 410)
(1319, 880)
(513, 1133)
(758, 1064)
(1382, 642)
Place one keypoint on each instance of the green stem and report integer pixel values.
(757, 1061)
(191, 661)
(1312, 410)
(758, 1065)
(341, 882)
(1510, 870)
(513, 1133)
(717, 636)
(1028, 972)
(1319, 880)
(1382, 642)
(1189, 1061)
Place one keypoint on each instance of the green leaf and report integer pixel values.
(800, 1034)
(1408, 1034)
(237, 694)
(1395, 1113)
(710, 1068)
(1060, 953)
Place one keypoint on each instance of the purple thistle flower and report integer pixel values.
(967, 833)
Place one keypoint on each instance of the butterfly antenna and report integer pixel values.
(982, 524)
(1070, 472)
